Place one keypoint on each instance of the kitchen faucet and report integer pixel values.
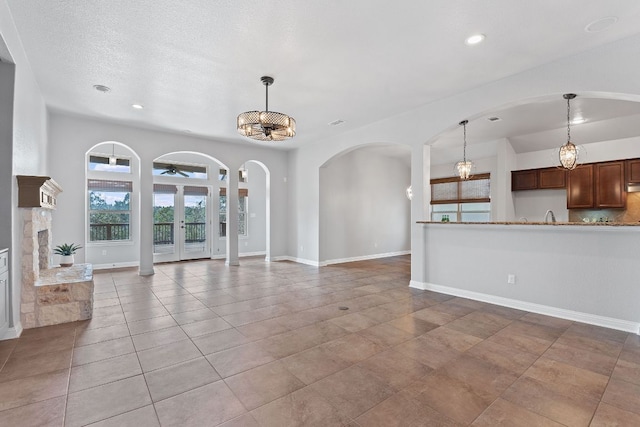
(546, 216)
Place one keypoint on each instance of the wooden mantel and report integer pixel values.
(37, 192)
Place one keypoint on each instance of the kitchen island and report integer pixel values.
(588, 272)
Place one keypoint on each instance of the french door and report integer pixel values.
(181, 222)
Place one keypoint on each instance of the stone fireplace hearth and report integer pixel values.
(50, 294)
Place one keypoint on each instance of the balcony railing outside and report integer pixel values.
(163, 232)
(99, 232)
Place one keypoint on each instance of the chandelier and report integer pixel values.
(568, 153)
(266, 125)
(464, 166)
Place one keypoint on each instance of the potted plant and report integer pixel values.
(66, 251)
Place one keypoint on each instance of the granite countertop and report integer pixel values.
(580, 224)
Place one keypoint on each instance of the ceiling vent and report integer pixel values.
(336, 122)
(494, 119)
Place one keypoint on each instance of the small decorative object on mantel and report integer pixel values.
(66, 251)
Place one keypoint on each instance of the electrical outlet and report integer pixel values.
(104, 252)
(511, 279)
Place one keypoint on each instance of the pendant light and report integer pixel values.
(464, 167)
(266, 125)
(568, 153)
(113, 160)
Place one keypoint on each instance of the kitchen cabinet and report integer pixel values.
(4, 292)
(524, 180)
(580, 188)
(633, 170)
(538, 179)
(552, 178)
(597, 185)
(610, 185)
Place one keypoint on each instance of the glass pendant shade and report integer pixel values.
(266, 125)
(464, 168)
(568, 155)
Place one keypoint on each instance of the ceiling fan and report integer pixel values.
(173, 170)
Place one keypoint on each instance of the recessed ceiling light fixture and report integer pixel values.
(475, 39)
(600, 24)
(494, 119)
(102, 88)
(568, 153)
(266, 125)
(137, 106)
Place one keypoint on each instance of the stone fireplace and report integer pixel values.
(50, 294)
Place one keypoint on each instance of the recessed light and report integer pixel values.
(577, 120)
(601, 24)
(494, 119)
(102, 88)
(137, 106)
(475, 39)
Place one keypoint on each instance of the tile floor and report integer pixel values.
(201, 344)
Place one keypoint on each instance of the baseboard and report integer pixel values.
(298, 260)
(13, 332)
(241, 255)
(115, 265)
(592, 319)
(365, 257)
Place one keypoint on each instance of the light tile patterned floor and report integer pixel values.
(265, 344)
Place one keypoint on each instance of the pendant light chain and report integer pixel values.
(568, 119)
(464, 148)
(266, 108)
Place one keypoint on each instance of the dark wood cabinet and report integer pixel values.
(538, 179)
(610, 185)
(524, 180)
(633, 170)
(552, 178)
(580, 188)
(597, 186)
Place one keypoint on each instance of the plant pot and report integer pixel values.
(66, 260)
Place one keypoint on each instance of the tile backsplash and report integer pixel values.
(630, 214)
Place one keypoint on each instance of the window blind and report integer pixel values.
(477, 189)
(109, 185)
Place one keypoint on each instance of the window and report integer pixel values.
(243, 195)
(109, 210)
(242, 175)
(101, 163)
(464, 201)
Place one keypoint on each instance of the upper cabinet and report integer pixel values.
(580, 188)
(552, 178)
(610, 185)
(633, 170)
(597, 185)
(524, 180)
(535, 179)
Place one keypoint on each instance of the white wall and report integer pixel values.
(71, 137)
(364, 210)
(7, 72)
(584, 273)
(29, 146)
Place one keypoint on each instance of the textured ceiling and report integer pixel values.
(195, 65)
